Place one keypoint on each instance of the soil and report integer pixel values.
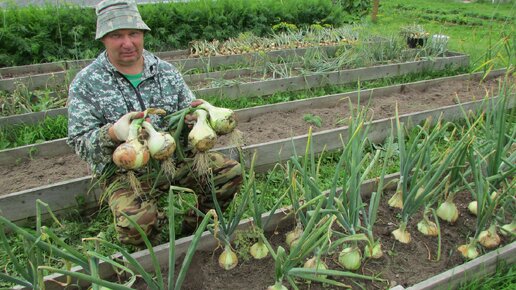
(44, 171)
(401, 264)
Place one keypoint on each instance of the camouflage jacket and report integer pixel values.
(99, 95)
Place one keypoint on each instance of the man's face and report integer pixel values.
(124, 46)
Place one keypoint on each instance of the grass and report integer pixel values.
(19, 135)
(503, 279)
(474, 28)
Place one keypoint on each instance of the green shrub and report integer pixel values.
(50, 33)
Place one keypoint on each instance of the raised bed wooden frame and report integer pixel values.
(268, 87)
(19, 206)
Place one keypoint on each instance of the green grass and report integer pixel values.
(503, 279)
(480, 29)
(19, 135)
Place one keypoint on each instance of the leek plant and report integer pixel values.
(421, 175)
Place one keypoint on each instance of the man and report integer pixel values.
(117, 87)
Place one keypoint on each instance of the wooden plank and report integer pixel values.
(51, 148)
(268, 87)
(20, 206)
(271, 86)
(57, 147)
(32, 118)
(267, 154)
(33, 82)
(53, 74)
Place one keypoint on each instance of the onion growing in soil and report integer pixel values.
(427, 227)
(293, 236)
(317, 264)
(448, 211)
(508, 229)
(489, 238)
(259, 250)
(350, 258)
(228, 259)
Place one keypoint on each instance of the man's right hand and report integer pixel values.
(120, 130)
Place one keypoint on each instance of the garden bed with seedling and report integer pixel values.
(58, 166)
(233, 89)
(33, 78)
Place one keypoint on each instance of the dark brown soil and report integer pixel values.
(264, 128)
(402, 264)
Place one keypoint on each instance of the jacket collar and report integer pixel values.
(150, 64)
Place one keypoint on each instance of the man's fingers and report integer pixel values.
(196, 103)
(137, 115)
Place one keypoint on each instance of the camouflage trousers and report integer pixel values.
(142, 208)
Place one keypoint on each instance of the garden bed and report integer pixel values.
(53, 74)
(268, 87)
(403, 265)
(275, 144)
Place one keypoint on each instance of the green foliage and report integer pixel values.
(49, 33)
(19, 135)
(313, 120)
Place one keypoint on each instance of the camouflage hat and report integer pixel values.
(118, 14)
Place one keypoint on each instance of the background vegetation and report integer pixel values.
(50, 33)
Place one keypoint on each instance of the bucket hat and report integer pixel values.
(118, 14)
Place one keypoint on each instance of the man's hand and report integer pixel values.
(190, 119)
(120, 130)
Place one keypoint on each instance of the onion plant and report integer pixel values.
(225, 224)
(485, 206)
(45, 242)
(259, 250)
(316, 235)
(422, 175)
